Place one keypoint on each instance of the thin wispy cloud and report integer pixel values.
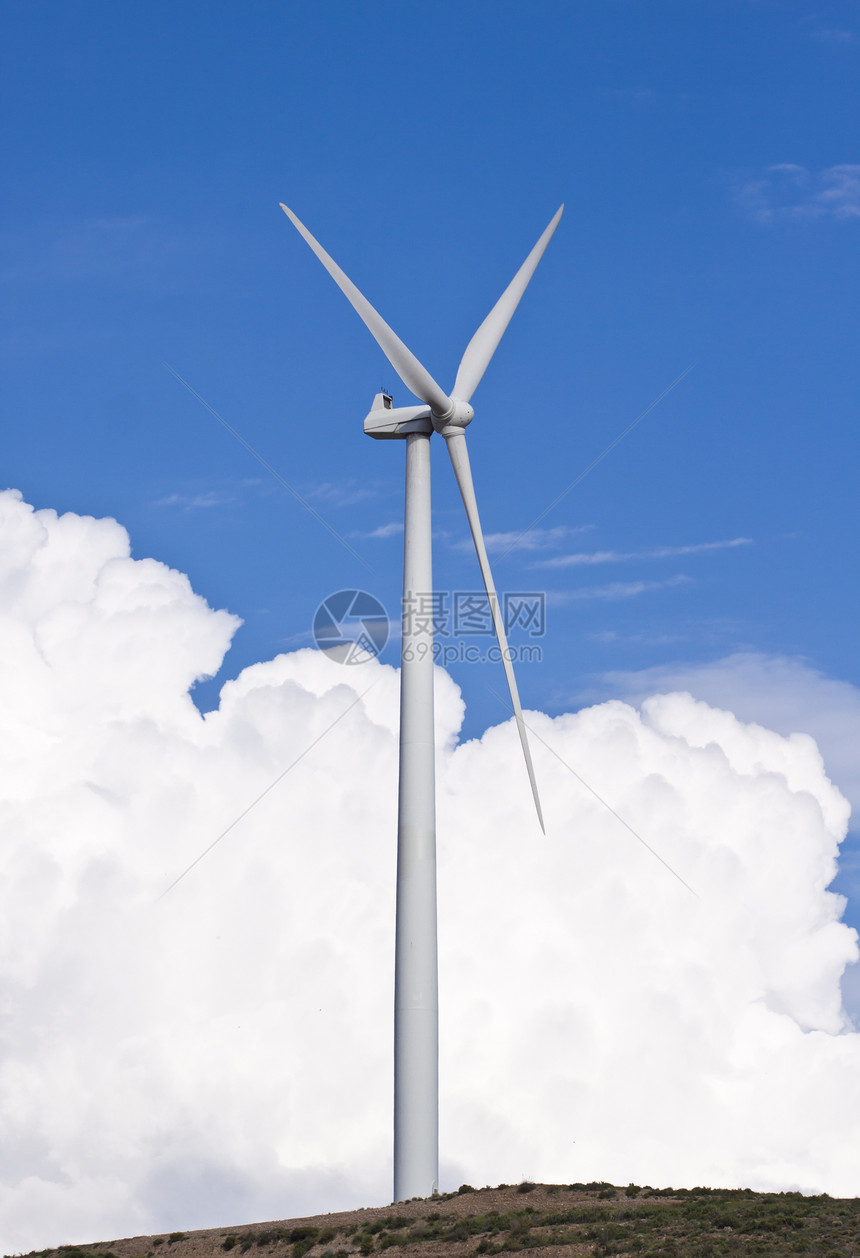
(131, 251)
(788, 191)
(380, 533)
(837, 35)
(607, 637)
(586, 558)
(195, 502)
(341, 495)
(632, 95)
(616, 590)
(536, 539)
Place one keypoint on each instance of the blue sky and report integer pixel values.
(708, 157)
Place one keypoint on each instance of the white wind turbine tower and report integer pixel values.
(416, 1038)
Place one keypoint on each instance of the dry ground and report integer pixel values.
(559, 1220)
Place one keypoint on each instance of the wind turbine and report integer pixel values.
(416, 1036)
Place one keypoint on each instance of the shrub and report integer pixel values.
(228, 1242)
(526, 1186)
(632, 1190)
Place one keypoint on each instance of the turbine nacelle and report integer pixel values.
(386, 421)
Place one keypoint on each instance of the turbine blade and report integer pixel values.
(483, 344)
(411, 372)
(460, 461)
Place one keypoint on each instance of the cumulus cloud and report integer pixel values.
(787, 190)
(785, 693)
(223, 1053)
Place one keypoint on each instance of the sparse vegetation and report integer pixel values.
(595, 1218)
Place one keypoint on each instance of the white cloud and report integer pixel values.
(787, 695)
(224, 1054)
(341, 495)
(788, 191)
(532, 539)
(635, 95)
(382, 532)
(835, 34)
(784, 693)
(616, 590)
(194, 502)
(656, 552)
(134, 251)
(651, 639)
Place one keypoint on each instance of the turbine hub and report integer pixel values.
(455, 419)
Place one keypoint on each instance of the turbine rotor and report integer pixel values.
(456, 419)
(450, 416)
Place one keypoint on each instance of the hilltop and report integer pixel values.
(575, 1219)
